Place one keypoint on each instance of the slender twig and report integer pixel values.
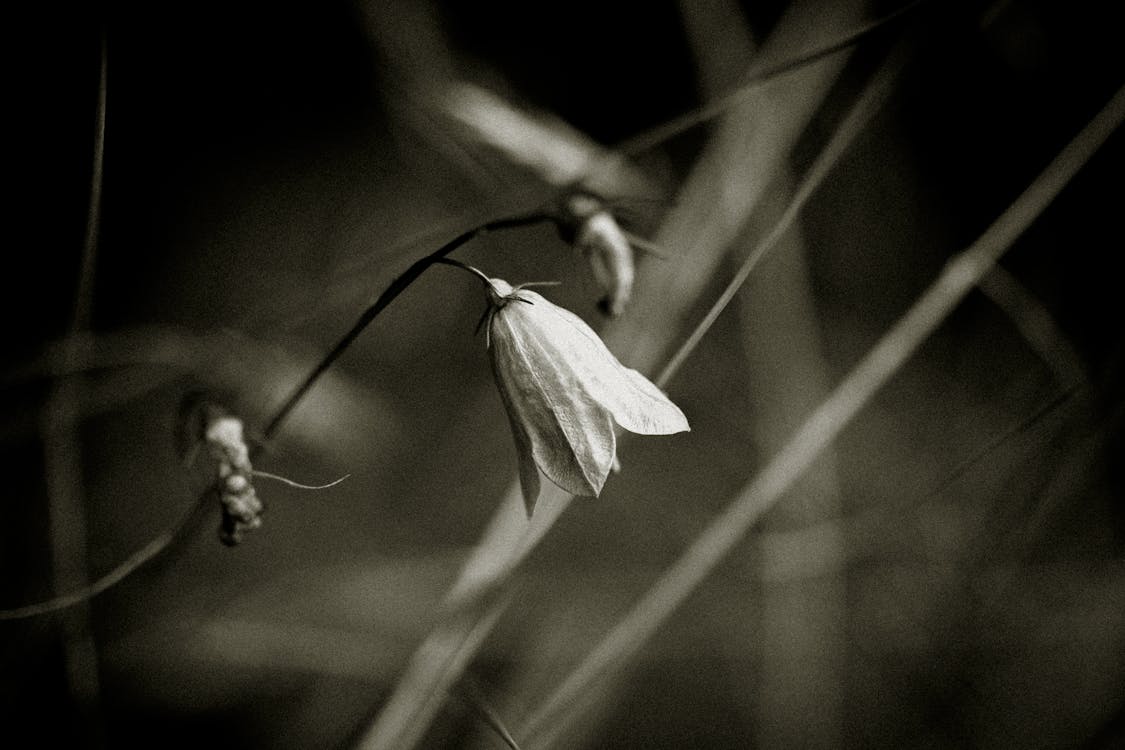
(984, 451)
(298, 485)
(85, 293)
(892, 351)
(131, 565)
(397, 287)
(466, 267)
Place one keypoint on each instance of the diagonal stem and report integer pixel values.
(397, 287)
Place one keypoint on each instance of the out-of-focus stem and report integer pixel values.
(397, 287)
(62, 460)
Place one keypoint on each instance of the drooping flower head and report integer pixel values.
(564, 392)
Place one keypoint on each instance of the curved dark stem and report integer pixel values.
(465, 267)
(397, 287)
(170, 539)
(85, 290)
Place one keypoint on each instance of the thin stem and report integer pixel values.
(1016, 430)
(466, 267)
(85, 293)
(397, 287)
(131, 565)
(191, 518)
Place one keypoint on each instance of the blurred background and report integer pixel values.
(948, 574)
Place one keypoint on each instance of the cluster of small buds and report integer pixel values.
(241, 507)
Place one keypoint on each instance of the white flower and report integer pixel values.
(564, 391)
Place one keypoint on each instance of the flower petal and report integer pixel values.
(529, 474)
(571, 434)
(635, 403)
(646, 410)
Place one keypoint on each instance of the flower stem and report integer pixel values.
(466, 267)
(397, 287)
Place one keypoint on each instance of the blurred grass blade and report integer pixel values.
(958, 277)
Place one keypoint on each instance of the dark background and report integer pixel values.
(261, 183)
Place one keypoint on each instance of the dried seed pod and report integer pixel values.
(241, 507)
(564, 390)
(203, 422)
